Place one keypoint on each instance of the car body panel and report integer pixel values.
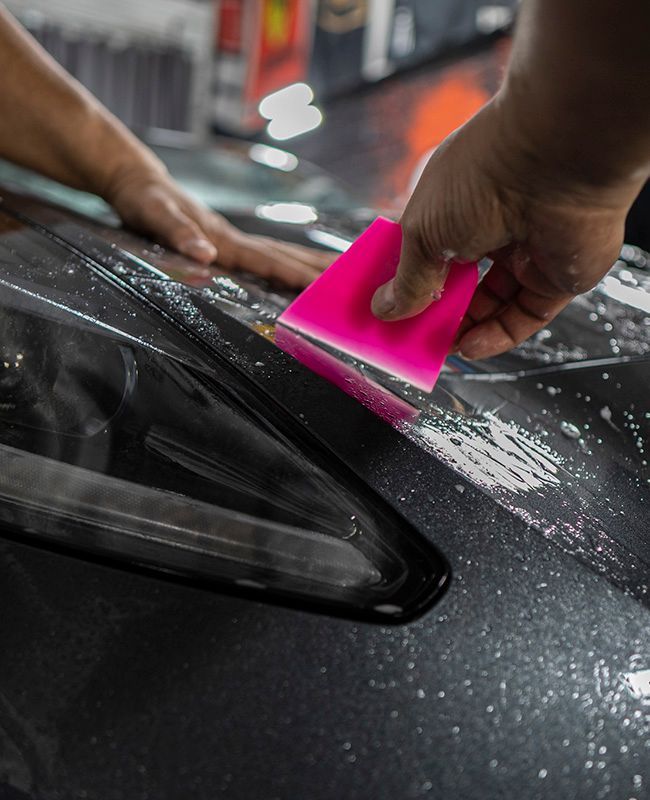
(117, 684)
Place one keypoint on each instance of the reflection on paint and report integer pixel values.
(293, 213)
(629, 295)
(273, 157)
(637, 683)
(290, 111)
(328, 239)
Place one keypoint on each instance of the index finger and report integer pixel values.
(526, 313)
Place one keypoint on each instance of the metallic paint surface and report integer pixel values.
(119, 685)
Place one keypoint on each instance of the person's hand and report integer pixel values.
(153, 204)
(487, 191)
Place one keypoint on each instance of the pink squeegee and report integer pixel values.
(336, 309)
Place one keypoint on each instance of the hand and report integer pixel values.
(153, 204)
(489, 191)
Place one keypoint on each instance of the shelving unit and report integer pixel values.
(150, 61)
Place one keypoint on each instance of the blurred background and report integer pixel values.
(365, 89)
(301, 74)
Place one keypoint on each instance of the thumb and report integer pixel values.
(419, 280)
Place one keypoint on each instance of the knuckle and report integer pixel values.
(160, 202)
(433, 242)
(570, 282)
(584, 285)
(413, 284)
(183, 231)
(509, 336)
(417, 241)
(411, 227)
(227, 257)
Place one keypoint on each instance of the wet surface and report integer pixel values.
(122, 434)
(521, 427)
(554, 431)
(530, 677)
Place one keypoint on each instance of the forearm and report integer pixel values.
(578, 87)
(51, 124)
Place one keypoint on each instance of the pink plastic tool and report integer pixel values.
(380, 401)
(336, 309)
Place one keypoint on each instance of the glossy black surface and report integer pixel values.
(118, 685)
(125, 433)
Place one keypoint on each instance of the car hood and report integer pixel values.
(527, 472)
(554, 431)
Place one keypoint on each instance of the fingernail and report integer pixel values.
(384, 303)
(199, 249)
(462, 355)
(436, 295)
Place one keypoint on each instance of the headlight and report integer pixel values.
(120, 435)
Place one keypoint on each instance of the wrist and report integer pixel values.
(116, 157)
(555, 150)
(576, 99)
(129, 173)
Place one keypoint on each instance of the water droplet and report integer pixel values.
(570, 430)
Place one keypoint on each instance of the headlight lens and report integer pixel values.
(119, 436)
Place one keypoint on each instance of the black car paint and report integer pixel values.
(197, 403)
(115, 684)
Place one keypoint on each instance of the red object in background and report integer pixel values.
(435, 108)
(378, 140)
(282, 48)
(229, 32)
(261, 48)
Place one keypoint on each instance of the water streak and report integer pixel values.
(539, 454)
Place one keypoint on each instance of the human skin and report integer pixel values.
(540, 180)
(51, 124)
